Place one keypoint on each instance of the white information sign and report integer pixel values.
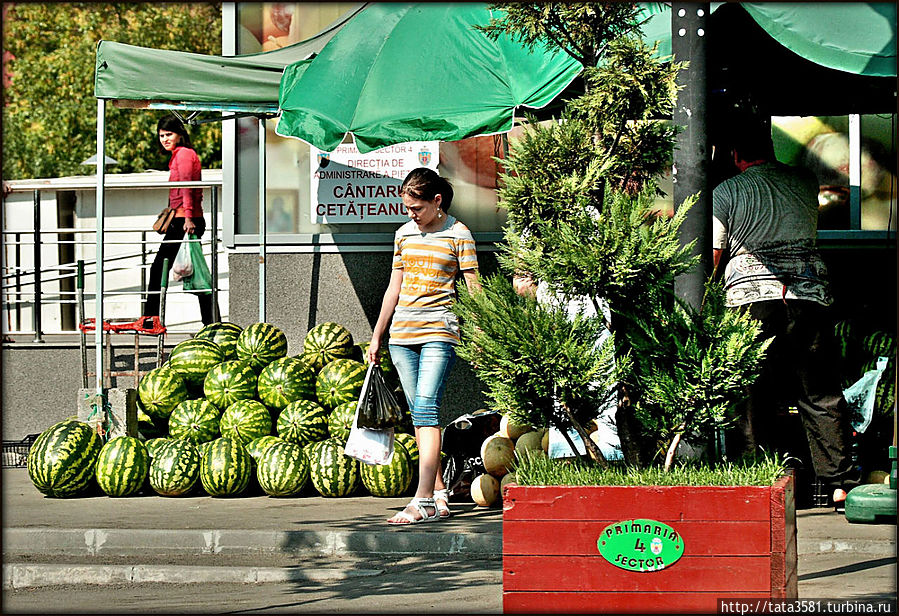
(349, 187)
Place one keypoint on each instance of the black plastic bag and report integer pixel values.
(462, 440)
(378, 409)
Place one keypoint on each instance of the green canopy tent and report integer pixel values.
(144, 78)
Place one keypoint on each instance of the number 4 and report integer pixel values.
(640, 547)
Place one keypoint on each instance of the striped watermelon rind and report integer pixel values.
(62, 460)
(259, 445)
(391, 479)
(339, 381)
(260, 344)
(879, 344)
(225, 468)
(408, 441)
(340, 421)
(175, 469)
(195, 420)
(193, 358)
(246, 420)
(285, 380)
(155, 445)
(326, 342)
(282, 469)
(223, 334)
(303, 421)
(228, 382)
(360, 354)
(122, 466)
(160, 391)
(333, 474)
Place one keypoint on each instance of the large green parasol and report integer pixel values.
(406, 72)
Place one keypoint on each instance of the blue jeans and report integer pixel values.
(423, 369)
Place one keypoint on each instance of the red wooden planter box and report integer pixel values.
(738, 542)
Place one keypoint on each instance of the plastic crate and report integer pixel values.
(15, 453)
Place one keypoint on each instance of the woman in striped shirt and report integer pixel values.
(429, 252)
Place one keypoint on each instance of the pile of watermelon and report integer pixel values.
(230, 411)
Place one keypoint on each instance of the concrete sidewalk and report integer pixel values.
(99, 540)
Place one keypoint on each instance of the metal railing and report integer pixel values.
(24, 287)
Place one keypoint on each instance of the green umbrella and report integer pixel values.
(407, 72)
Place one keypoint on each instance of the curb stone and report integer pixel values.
(28, 576)
(129, 542)
(93, 542)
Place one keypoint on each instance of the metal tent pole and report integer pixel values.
(261, 219)
(101, 202)
(688, 42)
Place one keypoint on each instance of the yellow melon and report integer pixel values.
(497, 453)
(878, 477)
(528, 444)
(512, 430)
(508, 479)
(485, 490)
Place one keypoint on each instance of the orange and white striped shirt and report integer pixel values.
(430, 264)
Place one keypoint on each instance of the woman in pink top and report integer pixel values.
(184, 166)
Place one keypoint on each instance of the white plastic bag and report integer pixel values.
(366, 445)
(861, 395)
(183, 267)
(369, 446)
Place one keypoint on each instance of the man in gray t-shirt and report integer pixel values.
(765, 222)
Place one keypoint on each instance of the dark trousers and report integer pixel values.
(801, 365)
(168, 251)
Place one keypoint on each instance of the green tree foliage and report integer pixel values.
(579, 194)
(541, 367)
(49, 113)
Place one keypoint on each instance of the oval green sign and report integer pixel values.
(640, 545)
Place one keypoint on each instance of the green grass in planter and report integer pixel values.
(543, 471)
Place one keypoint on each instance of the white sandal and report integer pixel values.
(442, 495)
(421, 504)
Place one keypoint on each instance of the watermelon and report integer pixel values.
(225, 467)
(303, 421)
(360, 354)
(223, 334)
(229, 382)
(309, 449)
(332, 473)
(245, 420)
(62, 459)
(411, 446)
(193, 358)
(340, 421)
(257, 446)
(155, 445)
(326, 342)
(879, 344)
(285, 380)
(282, 469)
(194, 420)
(204, 447)
(148, 427)
(260, 344)
(391, 479)
(175, 468)
(122, 466)
(160, 391)
(339, 381)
